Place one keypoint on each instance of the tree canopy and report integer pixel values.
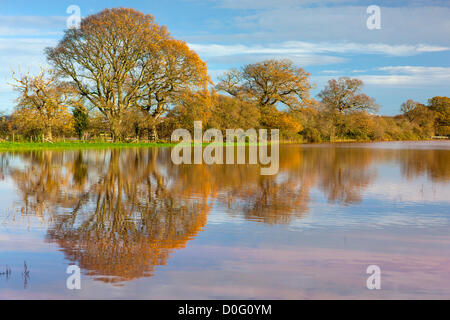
(269, 83)
(121, 58)
(43, 103)
(344, 95)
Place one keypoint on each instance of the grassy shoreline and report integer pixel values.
(13, 146)
(79, 145)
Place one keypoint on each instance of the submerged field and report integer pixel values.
(139, 226)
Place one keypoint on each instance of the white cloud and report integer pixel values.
(406, 77)
(301, 53)
(301, 48)
(405, 24)
(391, 80)
(32, 25)
(27, 53)
(270, 4)
(417, 70)
(298, 59)
(330, 71)
(24, 53)
(410, 76)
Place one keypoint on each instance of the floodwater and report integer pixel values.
(140, 227)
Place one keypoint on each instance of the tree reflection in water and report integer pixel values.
(120, 213)
(112, 212)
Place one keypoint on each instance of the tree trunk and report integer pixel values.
(115, 129)
(152, 133)
(115, 135)
(48, 134)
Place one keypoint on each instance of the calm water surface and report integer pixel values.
(140, 227)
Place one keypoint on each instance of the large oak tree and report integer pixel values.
(269, 83)
(121, 59)
(344, 95)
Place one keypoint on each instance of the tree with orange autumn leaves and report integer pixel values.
(269, 83)
(44, 103)
(121, 59)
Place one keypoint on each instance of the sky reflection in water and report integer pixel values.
(140, 227)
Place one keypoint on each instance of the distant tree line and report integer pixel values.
(123, 77)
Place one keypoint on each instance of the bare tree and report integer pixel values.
(408, 106)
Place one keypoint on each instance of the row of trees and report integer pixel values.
(122, 76)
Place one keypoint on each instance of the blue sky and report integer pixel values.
(408, 58)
